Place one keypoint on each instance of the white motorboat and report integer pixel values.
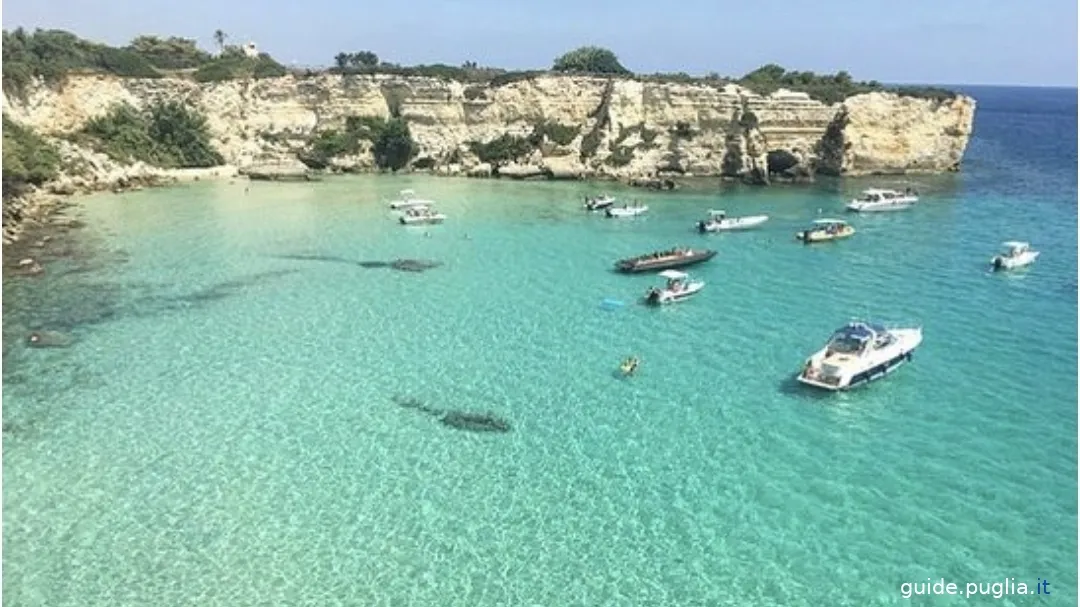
(409, 200)
(626, 211)
(877, 200)
(599, 204)
(718, 221)
(824, 230)
(858, 353)
(679, 287)
(421, 215)
(1016, 255)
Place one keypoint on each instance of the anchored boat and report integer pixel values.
(664, 260)
(421, 215)
(626, 211)
(824, 230)
(409, 200)
(1016, 254)
(598, 204)
(860, 352)
(679, 287)
(876, 200)
(718, 221)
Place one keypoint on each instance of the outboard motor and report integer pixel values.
(999, 263)
(701, 226)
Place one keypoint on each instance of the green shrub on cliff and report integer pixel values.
(51, 54)
(234, 65)
(827, 88)
(28, 159)
(504, 148)
(167, 135)
(553, 131)
(392, 144)
(170, 53)
(589, 60)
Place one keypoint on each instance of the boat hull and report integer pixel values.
(411, 204)
(863, 377)
(857, 207)
(1002, 263)
(728, 225)
(658, 297)
(908, 341)
(621, 213)
(416, 221)
(809, 236)
(632, 266)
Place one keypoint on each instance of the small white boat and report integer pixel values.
(876, 200)
(1016, 255)
(718, 221)
(626, 211)
(679, 287)
(858, 353)
(409, 201)
(421, 215)
(599, 204)
(824, 230)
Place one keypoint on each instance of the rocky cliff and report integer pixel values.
(579, 126)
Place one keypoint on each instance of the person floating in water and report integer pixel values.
(630, 365)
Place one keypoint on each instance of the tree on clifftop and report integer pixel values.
(220, 37)
(591, 59)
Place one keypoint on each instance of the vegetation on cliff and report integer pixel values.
(828, 88)
(508, 148)
(166, 135)
(53, 54)
(233, 64)
(392, 145)
(28, 159)
(590, 60)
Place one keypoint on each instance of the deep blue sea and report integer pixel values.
(227, 428)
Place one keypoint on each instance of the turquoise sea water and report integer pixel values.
(224, 431)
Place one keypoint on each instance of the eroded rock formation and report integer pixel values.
(621, 128)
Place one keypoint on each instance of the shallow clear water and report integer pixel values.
(224, 430)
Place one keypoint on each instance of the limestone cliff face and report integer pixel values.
(624, 127)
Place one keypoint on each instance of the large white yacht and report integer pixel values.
(860, 352)
(877, 200)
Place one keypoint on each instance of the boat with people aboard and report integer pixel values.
(858, 353)
(409, 200)
(421, 215)
(627, 210)
(629, 366)
(1016, 254)
(825, 229)
(679, 287)
(664, 260)
(879, 199)
(718, 221)
(599, 203)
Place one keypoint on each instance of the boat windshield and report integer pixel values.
(851, 339)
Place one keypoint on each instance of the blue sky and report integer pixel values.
(938, 41)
